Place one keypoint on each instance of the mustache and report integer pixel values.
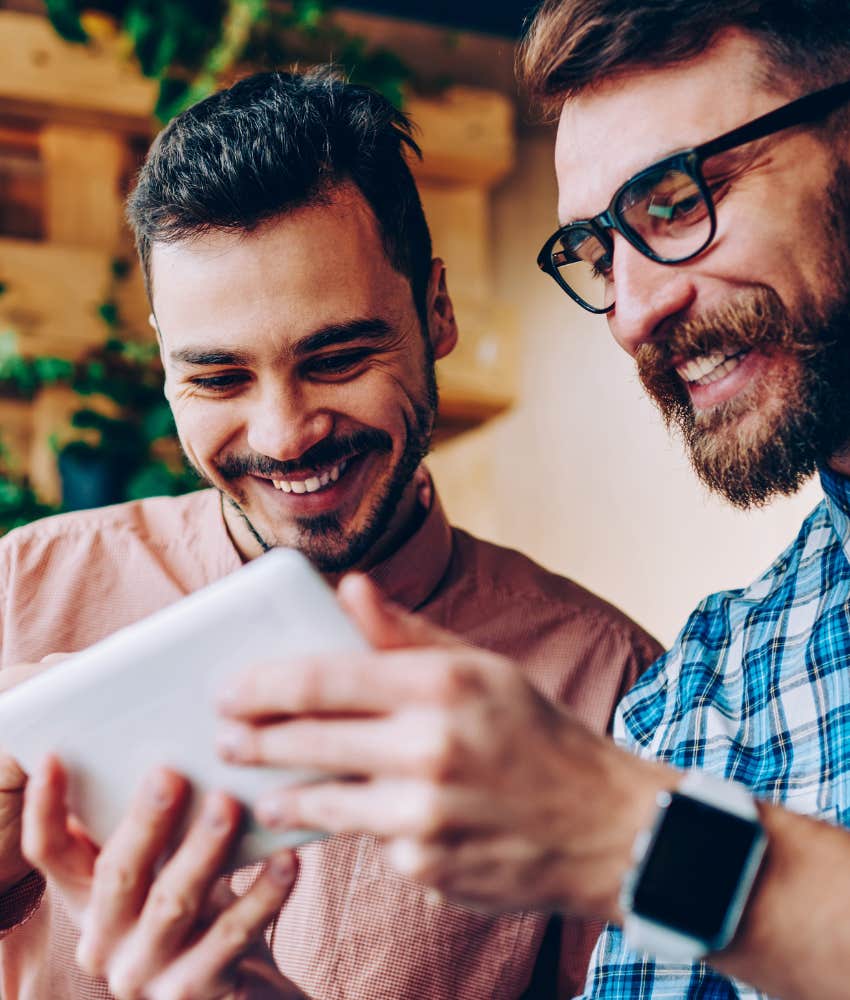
(755, 318)
(330, 451)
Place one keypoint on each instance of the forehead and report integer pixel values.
(312, 267)
(608, 133)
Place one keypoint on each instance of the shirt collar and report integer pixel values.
(836, 488)
(412, 573)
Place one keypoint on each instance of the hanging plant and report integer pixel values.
(191, 47)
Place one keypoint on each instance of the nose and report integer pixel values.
(285, 421)
(646, 294)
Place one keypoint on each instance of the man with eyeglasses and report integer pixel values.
(703, 160)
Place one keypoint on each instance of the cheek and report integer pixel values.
(204, 431)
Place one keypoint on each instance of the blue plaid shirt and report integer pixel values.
(755, 689)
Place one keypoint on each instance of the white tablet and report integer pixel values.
(146, 695)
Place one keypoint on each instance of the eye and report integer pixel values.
(219, 383)
(343, 363)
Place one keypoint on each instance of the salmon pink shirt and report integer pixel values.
(352, 929)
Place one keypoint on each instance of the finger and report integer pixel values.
(387, 808)
(47, 840)
(385, 625)
(124, 868)
(11, 676)
(179, 892)
(12, 777)
(411, 742)
(500, 872)
(353, 683)
(212, 960)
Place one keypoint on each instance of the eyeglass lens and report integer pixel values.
(663, 211)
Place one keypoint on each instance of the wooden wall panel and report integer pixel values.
(83, 172)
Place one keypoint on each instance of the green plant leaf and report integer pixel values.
(65, 17)
(140, 25)
(172, 98)
(309, 14)
(158, 423)
(49, 371)
(108, 312)
(120, 268)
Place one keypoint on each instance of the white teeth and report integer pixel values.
(697, 367)
(709, 368)
(312, 484)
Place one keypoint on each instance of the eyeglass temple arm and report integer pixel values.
(807, 108)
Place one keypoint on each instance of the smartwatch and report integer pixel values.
(694, 869)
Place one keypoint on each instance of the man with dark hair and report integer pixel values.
(703, 161)
(299, 314)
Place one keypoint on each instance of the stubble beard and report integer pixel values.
(770, 438)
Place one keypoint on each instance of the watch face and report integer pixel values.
(691, 871)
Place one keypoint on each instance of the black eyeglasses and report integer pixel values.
(666, 211)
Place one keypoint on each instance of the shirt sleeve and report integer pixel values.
(616, 972)
(20, 902)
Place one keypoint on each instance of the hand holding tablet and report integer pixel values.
(145, 696)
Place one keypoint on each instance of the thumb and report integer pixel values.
(383, 624)
(12, 778)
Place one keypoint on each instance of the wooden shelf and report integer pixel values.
(73, 119)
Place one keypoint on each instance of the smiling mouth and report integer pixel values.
(710, 367)
(312, 484)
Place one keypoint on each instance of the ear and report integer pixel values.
(442, 326)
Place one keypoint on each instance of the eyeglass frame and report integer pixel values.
(804, 109)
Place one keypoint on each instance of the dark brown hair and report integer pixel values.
(572, 44)
(274, 142)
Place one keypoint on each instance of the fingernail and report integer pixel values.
(273, 814)
(159, 790)
(230, 741)
(227, 696)
(281, 868)
(216, 813)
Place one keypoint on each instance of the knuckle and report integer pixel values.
(417, 862)
(233, 935)
(175, 990)
(125, 985)
(306, 684)
(441, 751)
(169, 908)
(113, 874)
(457, 681)
(430, 815)
(90, 958)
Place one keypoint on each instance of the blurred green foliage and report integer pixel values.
(191, 46)
(134, 438)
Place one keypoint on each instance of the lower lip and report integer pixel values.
(328, 498)
(703, 397)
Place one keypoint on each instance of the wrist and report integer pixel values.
(624, 803)
(13, 875)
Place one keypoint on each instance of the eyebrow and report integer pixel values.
(371, 328)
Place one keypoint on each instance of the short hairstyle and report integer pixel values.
(274, 142)
(572, 44)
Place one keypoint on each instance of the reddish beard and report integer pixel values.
(768, 439)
